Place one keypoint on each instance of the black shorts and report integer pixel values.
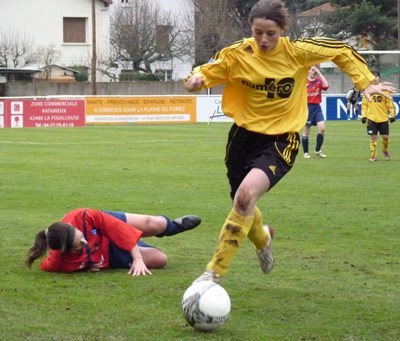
(273, 154)
(373, 128)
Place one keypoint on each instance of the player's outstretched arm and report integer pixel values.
(381, 89)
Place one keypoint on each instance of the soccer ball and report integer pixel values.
(206, 305)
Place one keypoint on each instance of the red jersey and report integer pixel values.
(98, 228)
(314, 91)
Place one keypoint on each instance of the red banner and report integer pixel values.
(42, 113)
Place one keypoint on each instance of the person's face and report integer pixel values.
(266, 33)
(79, 241)
(376, 80)
(312, 72)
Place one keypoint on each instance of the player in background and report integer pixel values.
(378, 113)
(353, 97)
(88, 239)
(316, 83)
(265, 93)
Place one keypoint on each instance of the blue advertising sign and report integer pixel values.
(335, 107)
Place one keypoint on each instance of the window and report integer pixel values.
(74, 30)
(166, 74)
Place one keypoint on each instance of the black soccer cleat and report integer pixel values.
(187, 222)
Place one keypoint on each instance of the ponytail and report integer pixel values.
(38, 249)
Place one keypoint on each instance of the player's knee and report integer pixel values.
(242, 200)
(160, 260)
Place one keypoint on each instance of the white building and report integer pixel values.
(66, 25)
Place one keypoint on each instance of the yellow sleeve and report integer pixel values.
(217, 70)
(340, 53)
(390, 105)
(364, 107)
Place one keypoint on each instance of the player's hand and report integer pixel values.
(363, 120)
(379, 89)
(96, 267)
(392, 119)
(194, 82)
(138, 268)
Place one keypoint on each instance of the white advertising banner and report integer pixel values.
(208, 109)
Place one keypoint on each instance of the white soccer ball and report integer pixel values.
(206, 305)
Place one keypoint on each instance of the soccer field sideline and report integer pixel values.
(336, 242)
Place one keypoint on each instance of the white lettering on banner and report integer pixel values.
(61, 104)
(118, 101)
(340, 105)
(54, 103)
(108, 110)
(396, 107)
(55, 125)
(55, 111)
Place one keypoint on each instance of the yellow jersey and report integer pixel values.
(265, 92)
(379, 109)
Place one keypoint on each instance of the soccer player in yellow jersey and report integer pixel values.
(378, 112)
(265, 93)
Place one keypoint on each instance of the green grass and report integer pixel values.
(336, 246)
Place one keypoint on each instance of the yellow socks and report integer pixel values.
(385, 145)
(257, 233)
(372, 147)
(233, 233)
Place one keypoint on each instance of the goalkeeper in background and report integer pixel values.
(353, 97)
(377, 115)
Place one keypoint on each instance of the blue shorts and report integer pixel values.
(119, 258)
(315, 115)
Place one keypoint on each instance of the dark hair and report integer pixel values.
(376, 73)
(270, 9)
(59, 236)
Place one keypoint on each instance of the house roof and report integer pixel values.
(315, 11)
(4, 70)
(107, 2)
(61, 67)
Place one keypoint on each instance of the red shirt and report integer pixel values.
(100, 229)
(314, 91)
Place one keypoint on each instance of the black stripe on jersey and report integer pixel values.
(237, 42)
(233, 47)
(332, 43)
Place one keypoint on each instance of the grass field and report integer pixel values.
(337, 273)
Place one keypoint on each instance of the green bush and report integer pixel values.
(83, 75)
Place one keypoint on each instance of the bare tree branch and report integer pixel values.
(142, 34)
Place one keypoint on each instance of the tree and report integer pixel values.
(16, 48)
(47, 56)
(218, 24)
(376, 19)
(142, 34)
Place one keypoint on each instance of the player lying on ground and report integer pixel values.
(89, 239)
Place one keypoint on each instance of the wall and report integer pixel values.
(80, 89)
(339, 83)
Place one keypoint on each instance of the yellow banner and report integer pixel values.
(148, 109)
